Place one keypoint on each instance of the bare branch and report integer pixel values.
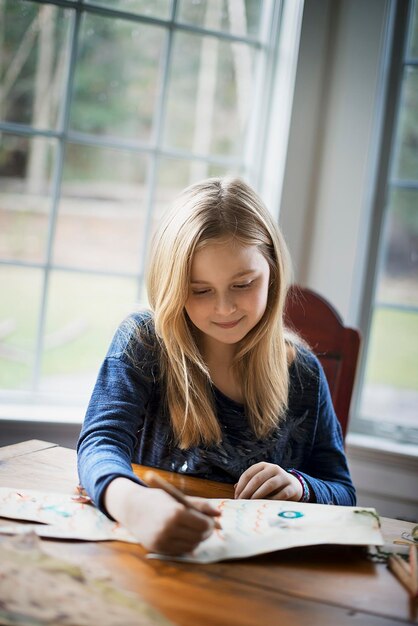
(20, 57)
(242, 59)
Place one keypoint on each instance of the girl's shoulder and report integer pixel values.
(306, 379)
(135, 338)
(306, 367)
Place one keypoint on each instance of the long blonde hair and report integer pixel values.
(213, 209)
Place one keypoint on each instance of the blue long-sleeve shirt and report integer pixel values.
(127, 421)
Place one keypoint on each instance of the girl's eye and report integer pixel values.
(200, 292)
(244, 285)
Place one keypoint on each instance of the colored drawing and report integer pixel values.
(249, 527)
(58, 515)
(39, 590)
(290, 514)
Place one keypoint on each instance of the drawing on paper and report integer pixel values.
(37, 589)
(58, 515)
(249, 527)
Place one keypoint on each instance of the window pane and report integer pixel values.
(235, 16)
(176, 174)
(406, 145)
(34, 54)
(398, 283)
(413, 36)
(102, 209)
(21, 290)
(116, 78)
(210, 95)
(390, 393)
(25, 196)
(83, 313)
(155, 8)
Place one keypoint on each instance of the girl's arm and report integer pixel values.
(323, 472)
(109, 434)
(105, 451)
(326, 470)
(161, 523)
(116, 412)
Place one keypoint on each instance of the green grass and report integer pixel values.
(100, 303)
(393, 349)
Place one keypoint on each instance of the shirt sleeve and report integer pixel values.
(116, 410)
(326, 471)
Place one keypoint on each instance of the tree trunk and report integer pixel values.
(205, 100)
(242, 60)
(2, 69)
(38, 153)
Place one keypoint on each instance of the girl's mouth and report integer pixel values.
(227, 324)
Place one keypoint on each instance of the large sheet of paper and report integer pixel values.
(60, 516)
(249, 527)
(39, 590)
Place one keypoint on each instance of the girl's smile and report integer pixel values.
(228, 324)
(228, 291)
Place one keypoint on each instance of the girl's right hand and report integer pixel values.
(161, 523)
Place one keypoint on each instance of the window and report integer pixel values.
(107, 109)
(389, 400)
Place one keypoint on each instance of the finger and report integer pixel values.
(196, 521)
(171, 539)
(182, 533)
(269, 488)
(257, 481)
(205, 507)
(246, 477)
(183, 537)
(210, 511)
(193, 535)
(287, 492)
(175, 548)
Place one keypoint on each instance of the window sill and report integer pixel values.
(369, 448)
(48, 413)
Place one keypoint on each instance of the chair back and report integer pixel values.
(336, 346)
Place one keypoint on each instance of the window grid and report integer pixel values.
(402, 24)
(266, 45)
(394, 183)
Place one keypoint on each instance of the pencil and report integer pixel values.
(154, 480)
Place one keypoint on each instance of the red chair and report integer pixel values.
(336, 346)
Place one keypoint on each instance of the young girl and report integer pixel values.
(209, 383)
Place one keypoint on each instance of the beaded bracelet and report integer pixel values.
(306, 492)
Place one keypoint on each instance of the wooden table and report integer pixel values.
(326, 585)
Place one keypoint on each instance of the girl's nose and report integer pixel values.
(225, 305)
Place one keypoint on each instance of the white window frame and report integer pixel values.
(262, 162)
(394, 60)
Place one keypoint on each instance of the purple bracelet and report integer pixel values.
(306, 492)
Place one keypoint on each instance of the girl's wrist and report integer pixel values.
(306, 492)
(119, 496)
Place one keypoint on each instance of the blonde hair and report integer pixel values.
(214, 209)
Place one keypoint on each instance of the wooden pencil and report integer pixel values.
(152, 479)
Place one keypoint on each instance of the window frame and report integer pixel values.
(394, 60)
(281, 15)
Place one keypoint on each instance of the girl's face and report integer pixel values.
(228, 291)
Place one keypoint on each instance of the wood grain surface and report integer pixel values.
(327, 585)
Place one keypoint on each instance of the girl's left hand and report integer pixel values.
(267, 480)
